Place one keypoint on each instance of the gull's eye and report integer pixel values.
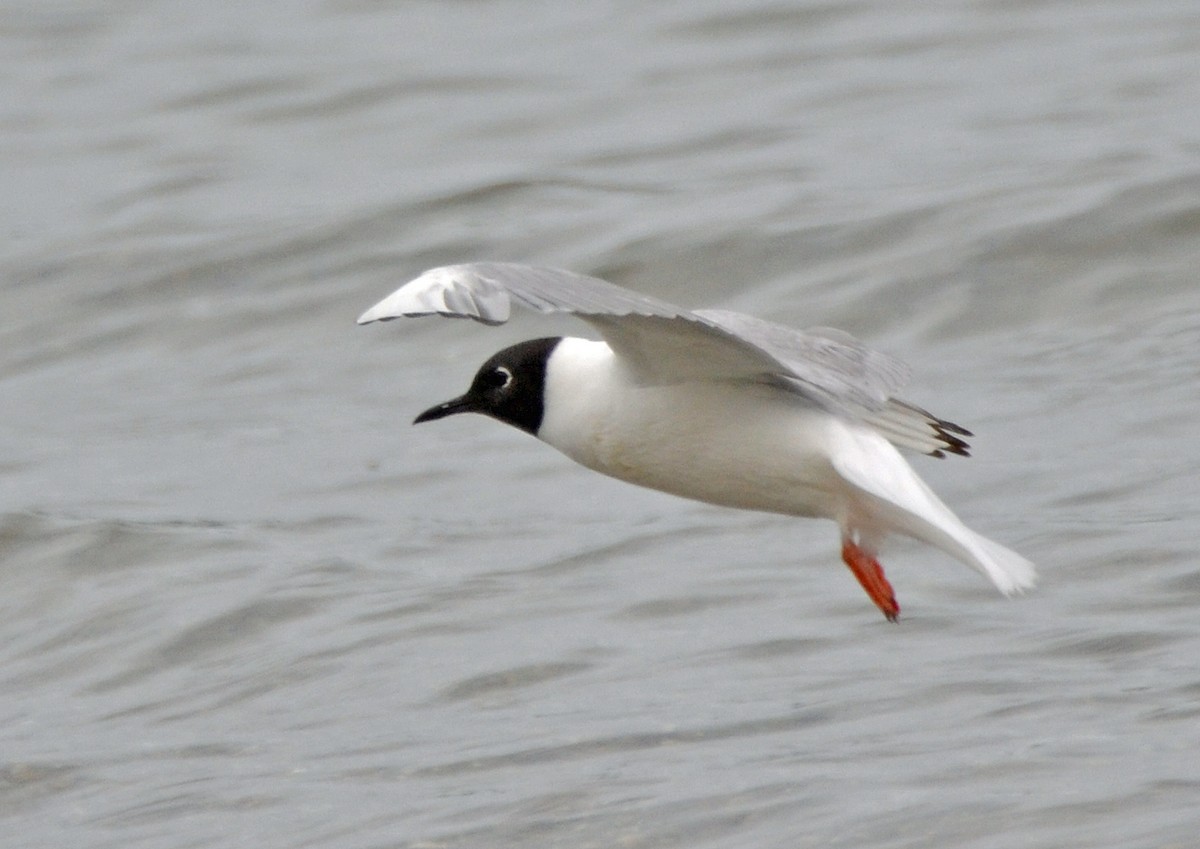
(499, 378)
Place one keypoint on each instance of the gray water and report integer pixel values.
(244, 604)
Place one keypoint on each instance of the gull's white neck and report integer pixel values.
(584, 384)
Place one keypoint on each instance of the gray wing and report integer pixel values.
(663, 343)
(831, 363)
(658, 342)
(485, 291)
(828, 361)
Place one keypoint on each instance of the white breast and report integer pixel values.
(738, 445)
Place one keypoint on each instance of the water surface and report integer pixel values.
(245, 604)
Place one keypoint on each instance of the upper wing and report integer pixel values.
(657, 341)
(485, 291)
(663, 343)
(823, 360)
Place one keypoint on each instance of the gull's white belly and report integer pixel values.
(747, 446)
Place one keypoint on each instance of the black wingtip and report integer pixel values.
(950, 436)
(951, 427)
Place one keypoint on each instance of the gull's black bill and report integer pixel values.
(462, 404)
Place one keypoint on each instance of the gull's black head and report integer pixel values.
(508, 387)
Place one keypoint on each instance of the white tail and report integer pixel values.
(900, 501)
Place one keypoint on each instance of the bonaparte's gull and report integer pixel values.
(714, 405)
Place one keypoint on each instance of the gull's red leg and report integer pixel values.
(870, 574)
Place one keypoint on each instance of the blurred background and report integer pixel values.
(243, 603)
